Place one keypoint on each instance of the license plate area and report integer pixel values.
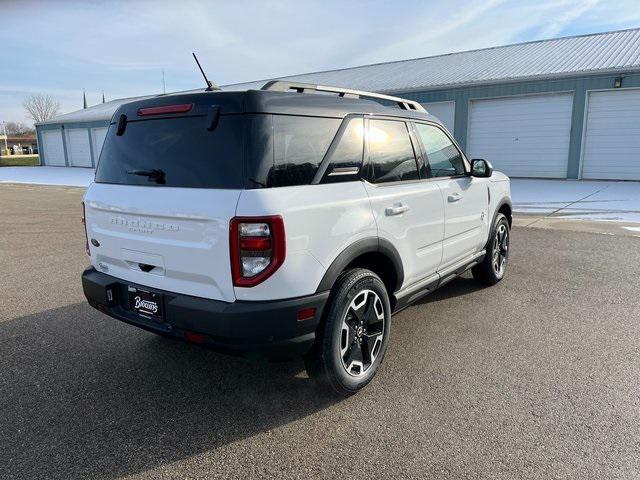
(145, 303)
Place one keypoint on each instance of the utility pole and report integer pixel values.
(164, 88)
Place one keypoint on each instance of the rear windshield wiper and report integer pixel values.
(155, 174)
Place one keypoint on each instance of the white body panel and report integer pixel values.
(466, 201)
(525, 136)
(97, 139)
(417, 233)
(320, 222)
(78, 149)
(182, 232)
(53, 148)
(445, 111)
(611, 149)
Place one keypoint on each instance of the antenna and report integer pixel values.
(164, 87)
(210, 86)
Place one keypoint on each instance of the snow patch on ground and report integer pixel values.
(64, 176)
(580, 200)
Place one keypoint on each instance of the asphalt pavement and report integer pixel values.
(536, 377)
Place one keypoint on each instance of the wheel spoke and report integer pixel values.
(353, 354)
(356, 315)
(370, 346)
(369, 310)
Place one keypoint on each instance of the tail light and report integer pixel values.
(165, 109)
(86, 236)
(257, 247)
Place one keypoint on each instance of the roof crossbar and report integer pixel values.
(284, 86)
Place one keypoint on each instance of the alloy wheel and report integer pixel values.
(362, 333)
(500, 250)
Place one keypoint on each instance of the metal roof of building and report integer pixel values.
(595, 53)
(616, 51)
(100, 112)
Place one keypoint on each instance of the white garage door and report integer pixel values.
(52, 149)
(445, 111)
(97, 137)
(524, 136)
(78, 147)
(611, 148)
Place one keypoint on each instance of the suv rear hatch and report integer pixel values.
(166, 187)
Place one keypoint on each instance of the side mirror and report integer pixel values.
(481, 168)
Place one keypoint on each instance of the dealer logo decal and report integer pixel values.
(147, 305)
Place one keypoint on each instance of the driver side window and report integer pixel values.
(444, 159)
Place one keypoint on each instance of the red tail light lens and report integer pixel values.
(86, 236)
(180, 108)
(257, 247)
(194, 337)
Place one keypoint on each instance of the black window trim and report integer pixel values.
(465, 161)
(366, 170)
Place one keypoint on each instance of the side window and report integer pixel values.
(299, 145)
(444, 159)
(390, 152)
(346, 158)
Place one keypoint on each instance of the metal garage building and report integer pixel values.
(75, 139)
(561, 108)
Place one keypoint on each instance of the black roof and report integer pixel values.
(274, 102)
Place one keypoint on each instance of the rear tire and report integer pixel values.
(354, 335)
(494, 265)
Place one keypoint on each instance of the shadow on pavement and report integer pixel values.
(454, 289)
(83, 395)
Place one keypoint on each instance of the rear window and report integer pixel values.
(182, 148)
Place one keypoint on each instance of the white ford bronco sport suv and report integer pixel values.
(295, 219)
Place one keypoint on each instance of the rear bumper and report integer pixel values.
(271, 327)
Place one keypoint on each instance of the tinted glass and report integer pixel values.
(390, 152)
(182, 148)
(347, 154)
(299, 145)
(443, 157)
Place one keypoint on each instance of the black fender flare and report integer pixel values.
(353, 251)
(504, 201)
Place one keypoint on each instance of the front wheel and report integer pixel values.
(494, 265)
(353, 339)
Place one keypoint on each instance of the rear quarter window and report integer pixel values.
(345, 160)
(299, 145)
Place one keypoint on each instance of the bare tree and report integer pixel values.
(17, 128)
(40, 107)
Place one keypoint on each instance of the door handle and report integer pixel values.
(396, 209)
(454, 197)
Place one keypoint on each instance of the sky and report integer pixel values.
(122, 47)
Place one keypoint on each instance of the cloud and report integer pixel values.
(573, 12)
(122, 46)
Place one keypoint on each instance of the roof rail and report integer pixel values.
(284, 86)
